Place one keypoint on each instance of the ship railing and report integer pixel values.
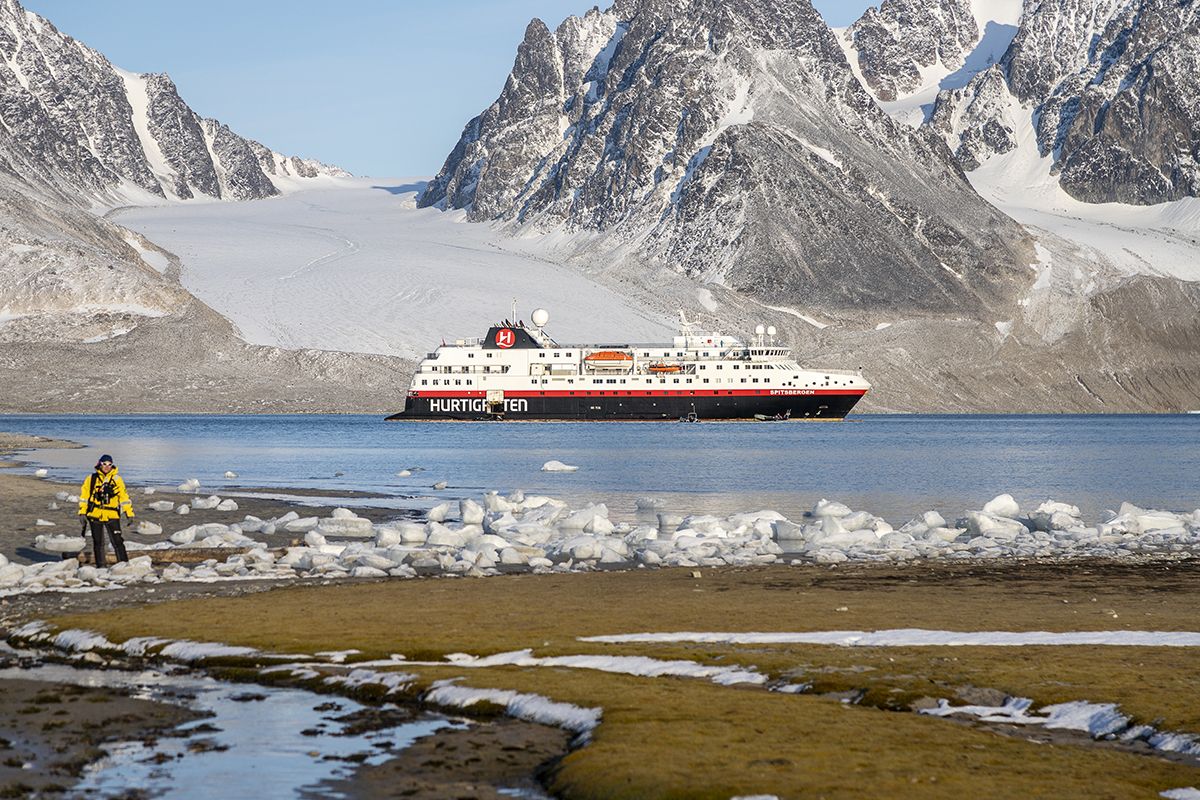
(849, 372)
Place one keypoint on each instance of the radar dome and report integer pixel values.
(540, 317)
(770, 330)
(760, 330)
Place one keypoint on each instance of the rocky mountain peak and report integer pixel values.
(898, 40)
(731, 141)
(1111, 88)
(101, 131)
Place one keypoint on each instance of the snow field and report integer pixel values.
(520, 532)
(355, 266)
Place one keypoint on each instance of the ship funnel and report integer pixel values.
(540, 317)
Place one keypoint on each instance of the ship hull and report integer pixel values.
(629, 406)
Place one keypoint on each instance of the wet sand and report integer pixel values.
(49, 732)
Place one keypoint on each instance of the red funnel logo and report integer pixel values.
(505, 338)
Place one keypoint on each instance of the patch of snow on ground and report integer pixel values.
(529, 707)
(917, 637)
(355, 266)
(624, 665)
(793, 312)
(1188, 793)
(1098, 720)
(151, 257)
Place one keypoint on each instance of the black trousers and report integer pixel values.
(113, 526)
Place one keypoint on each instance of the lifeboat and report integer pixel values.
(663, 368)
(608, 358)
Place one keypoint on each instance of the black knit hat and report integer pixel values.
(102, 459)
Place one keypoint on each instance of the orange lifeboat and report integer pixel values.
(608, 358)
(663, 368)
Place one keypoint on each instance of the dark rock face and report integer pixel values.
(92, 128)
(1114, 92)
(731, 141)
(900, 37)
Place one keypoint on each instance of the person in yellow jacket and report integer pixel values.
(101, 500)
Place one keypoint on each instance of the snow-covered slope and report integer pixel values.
(359, 268)
(1042, 117)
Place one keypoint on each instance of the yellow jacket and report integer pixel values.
(93, 492)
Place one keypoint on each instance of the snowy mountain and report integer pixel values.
(1109, 87)
(93, 316)
(732, 142)
(899, 43)
(116, 136)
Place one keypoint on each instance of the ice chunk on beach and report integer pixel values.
(558, 466)
(190, 485)
(205, 503)
(1051, 516)
(438, 513)
(302, 525)
(830, 508)
(185, 536)
(45, 523)
(982, 523)
(161, 505)
(440, 485)
(649, 503)
(470, 512)
(227, 505)
(147, 528)
(59, 544)
(579, 520)
(41, 473)
(230, 474)
(183, 509)
(404, 473)
(1002, 506)
(346, 524)
(314, 539)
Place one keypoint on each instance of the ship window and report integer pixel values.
(645, 355)
(622, 380)
(706, 380)
(470, 355)
(743, 380)
(676, 380)
(737, 366)
(458, 383)
(424, 383)
(541, 355)
(489, 355)
(613, 380)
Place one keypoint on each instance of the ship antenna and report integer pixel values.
(514, 314)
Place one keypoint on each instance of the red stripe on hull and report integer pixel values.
(651, 393)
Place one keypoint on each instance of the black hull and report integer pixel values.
(531, 406)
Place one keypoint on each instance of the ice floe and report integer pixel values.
(558, 466)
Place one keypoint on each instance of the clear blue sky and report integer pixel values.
(379, 87)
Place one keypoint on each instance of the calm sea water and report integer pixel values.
(894, 466)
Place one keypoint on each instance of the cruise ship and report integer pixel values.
(519, 372)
